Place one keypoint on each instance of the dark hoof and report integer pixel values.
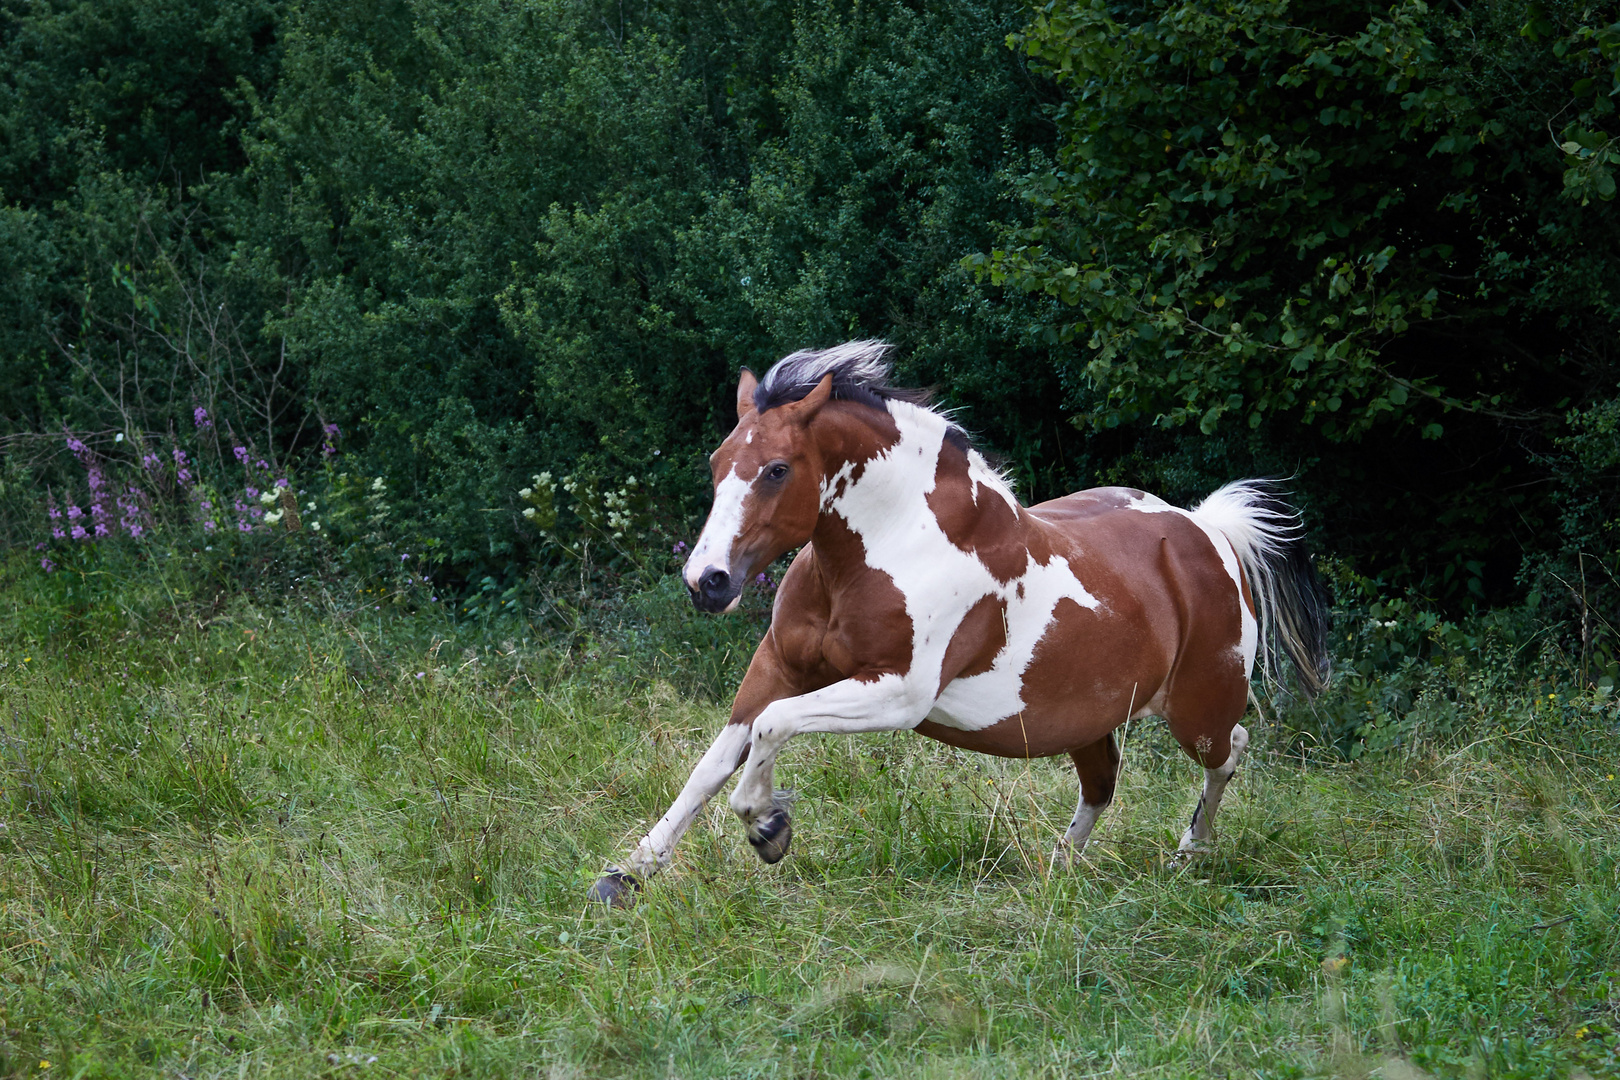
(615, 889)
(775, 831)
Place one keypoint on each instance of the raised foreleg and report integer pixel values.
(886, 703)
(767, 680)
(617, 884)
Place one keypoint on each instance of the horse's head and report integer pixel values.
(767, 495)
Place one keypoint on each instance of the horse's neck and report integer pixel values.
(887, 483)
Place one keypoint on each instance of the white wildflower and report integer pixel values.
(528, 512)
(271, 517)
(378, 485)
(525, 493)
(269, 497)
(315, 525)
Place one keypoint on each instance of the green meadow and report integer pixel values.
(321, 839)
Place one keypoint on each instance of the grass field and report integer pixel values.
(280, 847)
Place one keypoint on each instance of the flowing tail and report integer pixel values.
(1269, 539)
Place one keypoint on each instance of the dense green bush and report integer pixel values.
(491, 238)
(1378, 241)
(1369, 247)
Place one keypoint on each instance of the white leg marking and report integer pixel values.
(1073, 840)
(713, 769)
(890, 703)
(1200, 835)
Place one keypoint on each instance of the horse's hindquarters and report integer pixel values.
(1164, 636)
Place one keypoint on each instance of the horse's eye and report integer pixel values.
(776, 471)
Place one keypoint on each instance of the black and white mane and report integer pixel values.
(860, 371)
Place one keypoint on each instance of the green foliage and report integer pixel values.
(486, 239)
(1360, 244)
(1407, 679)
(1326, 211)
(603, 226)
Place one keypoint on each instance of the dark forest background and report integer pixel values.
(452, 245)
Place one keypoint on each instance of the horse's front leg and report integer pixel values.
(887, 703)
(617, 884)
(768, 679)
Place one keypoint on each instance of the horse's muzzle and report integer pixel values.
(716, 591)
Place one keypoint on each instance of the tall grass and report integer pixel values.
(266, 843)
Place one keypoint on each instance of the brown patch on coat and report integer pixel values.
(978, 640)
(975, 518)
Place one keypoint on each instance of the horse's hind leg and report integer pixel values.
(1098, 768)
(1200, 834)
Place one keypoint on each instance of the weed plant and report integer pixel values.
(308, 833)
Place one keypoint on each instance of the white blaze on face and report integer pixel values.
(720, 531)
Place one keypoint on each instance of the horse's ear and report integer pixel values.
(745, 393)
(812, 402)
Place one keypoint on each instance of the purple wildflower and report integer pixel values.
(184, 476)
(57, 533)
(241, 453)
(74, 513)
(149, 461)
(261, 464)
(281, 483)
(680, 546)
(52, 512)
(101, 529)
(78, 448)
(244, 526)
(405, 556)
(46, 565)
(206, 505)
(208, 526)
(199, 417)
(78, 532)
(135, 530)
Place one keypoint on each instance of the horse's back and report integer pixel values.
(1094, 502)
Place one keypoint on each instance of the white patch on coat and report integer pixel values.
(887, 507)
(1152, 504)
(720, 531)
(980, 472)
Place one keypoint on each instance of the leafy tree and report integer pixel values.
(1346, 227)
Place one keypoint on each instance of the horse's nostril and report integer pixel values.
(715, 582)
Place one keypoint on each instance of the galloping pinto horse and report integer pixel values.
(925, 597)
